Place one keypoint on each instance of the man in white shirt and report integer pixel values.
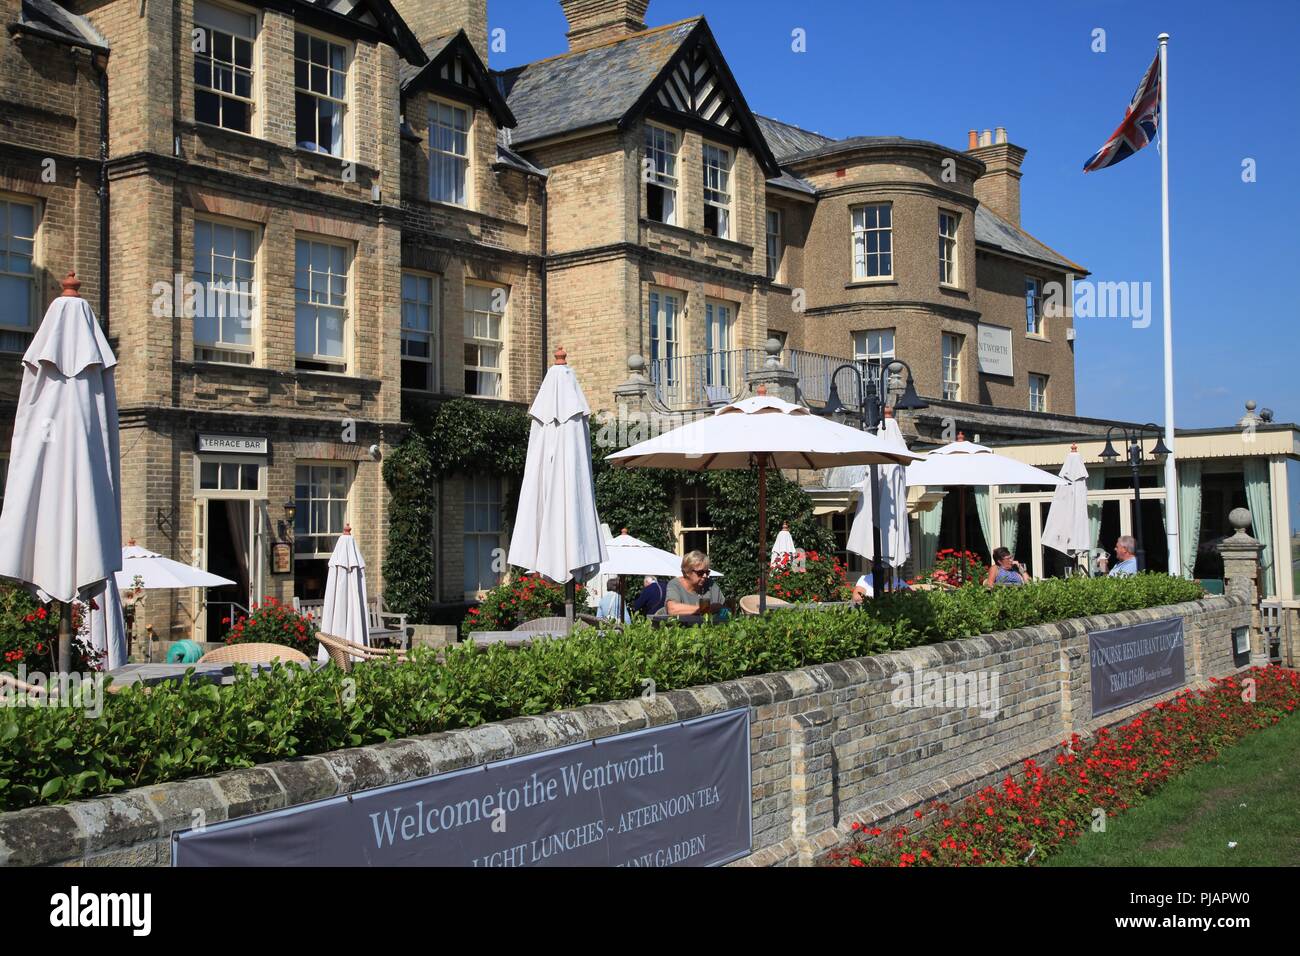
(1125, 551)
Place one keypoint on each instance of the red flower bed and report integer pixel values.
(954, 568)
(1033, 814)
(809, 576)
(272, 622)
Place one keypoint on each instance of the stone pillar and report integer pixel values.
(1241, 576)
(812, 797)
(781, 382)
(638, 393)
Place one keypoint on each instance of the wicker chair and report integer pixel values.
(254, 654)
(749, 604)
(344, 653)
(549, 624)
(19, 687)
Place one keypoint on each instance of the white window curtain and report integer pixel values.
(929, 537)
(1096, 482)
(1259, 500)
(1010, 523)
(1189, 514)
(984, 511)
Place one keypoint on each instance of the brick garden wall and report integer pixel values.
(827, 746)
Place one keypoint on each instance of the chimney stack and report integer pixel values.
(429, 19)
(593, 22)
(999, 187)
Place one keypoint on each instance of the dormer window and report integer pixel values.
(717, 191)
(320, 79)
(448, 152)
(660, 174)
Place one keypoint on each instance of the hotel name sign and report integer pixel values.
(233, 445)
(995, 350)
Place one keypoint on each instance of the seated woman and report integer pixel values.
(694, 592)
(1005, 570)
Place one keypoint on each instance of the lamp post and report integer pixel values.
(872, 381)
(1136, 457)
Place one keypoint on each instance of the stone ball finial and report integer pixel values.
(773, 346)
(636, 363)
(1251, 405)
(71, 284)
(1240, 518)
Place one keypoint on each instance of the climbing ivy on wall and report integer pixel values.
(464, 436)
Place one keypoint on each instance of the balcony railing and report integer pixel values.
(715, 378)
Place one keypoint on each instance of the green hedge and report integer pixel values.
(186, 730)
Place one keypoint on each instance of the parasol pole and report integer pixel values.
(762, 532)
(65, 637)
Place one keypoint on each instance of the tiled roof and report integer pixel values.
(788, 180)
(786, 140)
(993, 230)
(47, 18)
(588, 87)
(407, 72)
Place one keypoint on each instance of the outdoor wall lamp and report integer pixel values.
(872, 379)
(1133, 442)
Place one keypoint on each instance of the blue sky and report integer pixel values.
(934, 69)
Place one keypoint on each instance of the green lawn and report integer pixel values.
(1250, 796)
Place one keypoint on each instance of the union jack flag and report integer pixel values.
(1141, 121)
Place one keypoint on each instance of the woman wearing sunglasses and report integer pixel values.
(694, 592)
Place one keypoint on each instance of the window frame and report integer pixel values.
(303, 507)
(950, 366)
(668, 181)
(949, 242)
(349, 55)
(335, 365)
(724, 315)
(470, 486)
(775, 243)
(219, 346)
(435, 103)
(672, 341)
(244, 494)
(865, 356)
(434, 333)
(480, 341)
(1041, 404)
(252, 101)
(858, 235)
(697, 494)
(33, 263)
(723, 179)
(1038, 330)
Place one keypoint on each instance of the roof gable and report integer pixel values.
(455, 69)
(375, 18)
(676, 71)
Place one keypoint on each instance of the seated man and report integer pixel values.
(651, 599)
(694, 592)
(865, 588)
(1125, 551)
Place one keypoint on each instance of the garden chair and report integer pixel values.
(254, 654)
(548, 625)
(344, 653)
(749, 604)
(384, 622)
(10, 685)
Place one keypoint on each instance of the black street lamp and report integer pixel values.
(872, 380)
(1136, 457)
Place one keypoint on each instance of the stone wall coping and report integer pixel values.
(81, 830)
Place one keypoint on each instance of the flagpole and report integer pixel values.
(1171, 467)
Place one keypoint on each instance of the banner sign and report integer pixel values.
(1133, 663)
(668, 796)
(995, 351)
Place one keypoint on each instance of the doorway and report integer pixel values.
(230, 542)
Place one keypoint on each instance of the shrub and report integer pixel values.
(521, 599)
(29, 635)
(274, 623)
(189, 729)
(814, 577)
